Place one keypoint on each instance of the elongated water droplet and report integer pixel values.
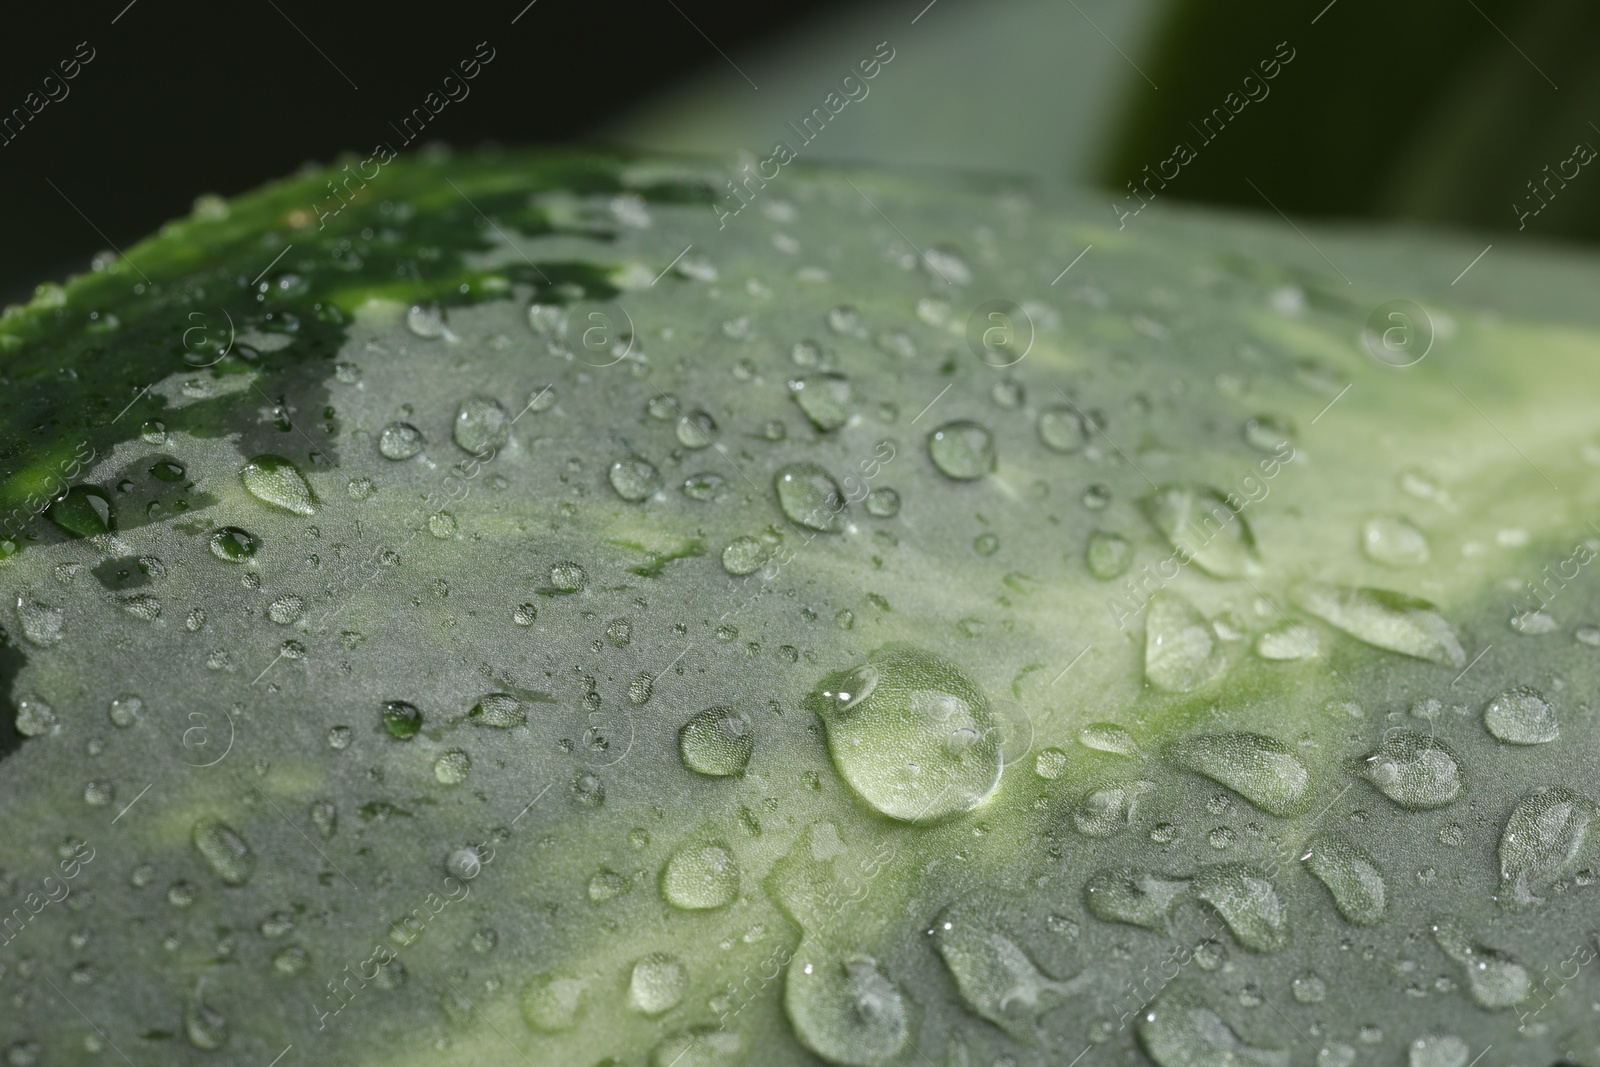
(717, 742)
(1394, 621)
(811, 498)
(911, 734)
(1179, 1033)
(994, 976)
(744, 555)
(1521, 716)
(274, 480)
(1414, 771)
(1138, 898)
(1247, 902)
(1495, 979)
(1287, 643)
(1351, 877)
(1438, 1050)
(224, 851)
(1108, 555)
(701, 876)
(825, 399)
(699, 1046)
(962, 450)
(845, 1010)
(1393, 542)
(1108, 737)
(500, 710)
(1263, 770)
(1204, 527)
(204, 1026)
(83, 511)
(1541, 840)
(1180, 653)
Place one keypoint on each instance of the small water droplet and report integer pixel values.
(1413, 770)
(717, 742)
(811, 498)
(83, 511)
(401, 720)
(224, 851)
(1521, 716)
(399, 440)
(1262, 769)
(452, 767)
(963, 450)
(1180, 652)
(276, 481)
(634, 478)
(427, 320)
(1062, 429)
(1393, 542)
(700, 877)
(826, 399)
(482, 427)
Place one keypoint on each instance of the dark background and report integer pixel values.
(184, 98)
(1431, 111)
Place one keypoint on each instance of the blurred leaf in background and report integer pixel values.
(1446, 112)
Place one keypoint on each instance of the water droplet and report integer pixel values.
(811, 498)
(1179, 1033)
(1110, 809)
(699, 1046)
(826, 399)
(233, 545)
(1096, 498)
(325, 817)
(1204, 527)
(962, 450)
(883, 503)
(845, 1010)
(704, 486)
(442, 525)
(695, 430)
(717, 742)
(1534, 623)
(1414, 771)
(995, 977)
(1050, 764)
(125, 710)
(499, 710)
(204, 1026)
(657, 984)
(700, 876)
(1541, 840)
(744, 555)
(399, 440)
(892, 726)
(1268, 433)
(1137, 898)
(1351, 877)
(1287, 643)
(224, 851)
(1494, 979)
(1309, 988)
(1393, 542)
(167, 470)
(1062, 429)
(1180, 653)
(401, 720)
(427, 320)
(1394, 621)
(846, 320)
(640, 688)
(452, 767)
(83, 511)
(482, 426)
(525, 614)
(551, 1003)
(1108, 555)
(153, 432)
(566, 578)
(1521, 716)
(1247, 902)
(634, 478)
(1263, 770)
(98, 793)
(274, 480)
(1108, 737)
(986, 544)
(588, 790)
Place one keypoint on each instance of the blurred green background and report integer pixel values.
(1441, 112)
